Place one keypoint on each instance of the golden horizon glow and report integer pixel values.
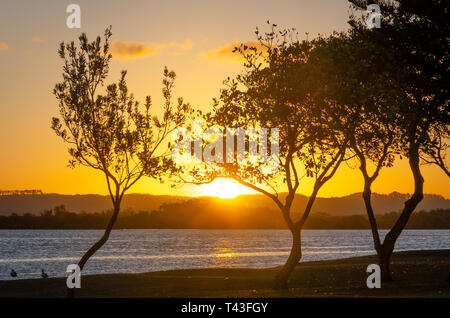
(224, 189)
(199, 50)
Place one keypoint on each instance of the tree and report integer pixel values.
(273, 91)
(355, 81)
(434, 153)
(111, 132)
(419, 66)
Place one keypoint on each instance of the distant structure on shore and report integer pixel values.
(20, 192)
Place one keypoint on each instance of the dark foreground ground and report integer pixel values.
(416, 274)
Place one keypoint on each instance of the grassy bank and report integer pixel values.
(416, 273)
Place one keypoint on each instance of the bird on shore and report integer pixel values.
(13, 273)
(43, 274)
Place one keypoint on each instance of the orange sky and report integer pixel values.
(190, 37)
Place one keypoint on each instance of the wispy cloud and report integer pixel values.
(124, 50)
(36, 39)
(3, 46)
(225, 52)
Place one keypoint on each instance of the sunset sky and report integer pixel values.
(194, 38)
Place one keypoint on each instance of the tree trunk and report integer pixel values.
(410, 205)
(367, 195)
(94, 248)
(384, 260)
(281, 279)
(382, 250)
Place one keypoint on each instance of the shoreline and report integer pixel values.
(336, 260)
(417, 273)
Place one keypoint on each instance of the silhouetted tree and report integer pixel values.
(111, 132)
(434, 152)
(414, 39)
(273, 92)
(356, 87)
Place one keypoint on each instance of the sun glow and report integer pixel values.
(225, 189)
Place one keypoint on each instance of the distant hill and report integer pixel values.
(90, 203)
(335, 206)
(352, 204)
(213, 213)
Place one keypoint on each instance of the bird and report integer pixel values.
(13, 273)
(43, 274)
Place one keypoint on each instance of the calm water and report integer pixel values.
(134, 251)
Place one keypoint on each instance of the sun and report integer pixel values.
(225, 189)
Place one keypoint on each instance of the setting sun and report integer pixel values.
(225, 189)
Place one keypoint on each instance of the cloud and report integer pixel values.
(225, 52)
(3, 46)
(133, 50)
(36, 39)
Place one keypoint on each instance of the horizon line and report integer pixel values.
(209, 196)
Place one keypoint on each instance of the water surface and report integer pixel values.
(136, 251)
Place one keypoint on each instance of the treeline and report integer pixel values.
(434, 219)
(21, 192)
(196, 216)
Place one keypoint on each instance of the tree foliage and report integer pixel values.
(275, 90)
(106, 128)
